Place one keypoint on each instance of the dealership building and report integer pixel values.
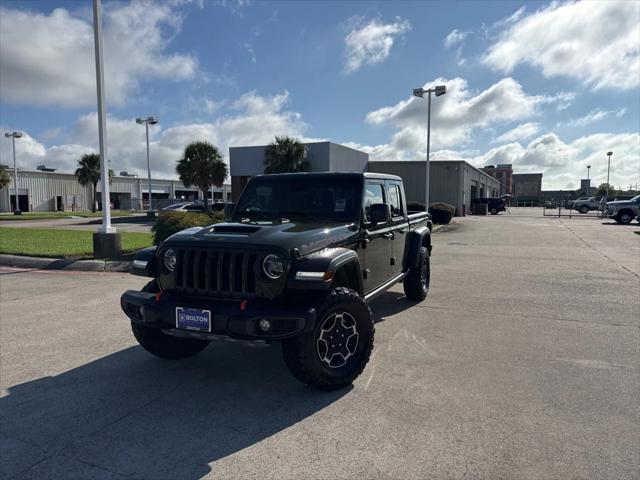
(48, 191)
(452, 181)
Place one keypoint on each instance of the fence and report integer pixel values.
(561, 210)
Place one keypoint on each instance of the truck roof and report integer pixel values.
(380, 176)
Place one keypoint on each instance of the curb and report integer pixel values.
(64, 264)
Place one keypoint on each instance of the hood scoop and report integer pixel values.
(235, 229)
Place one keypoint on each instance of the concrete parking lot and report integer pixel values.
(522, 363)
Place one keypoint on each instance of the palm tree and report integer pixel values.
(5, 179)
(202, 165)
(285, 155)
(88, 173)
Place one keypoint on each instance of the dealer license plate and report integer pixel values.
(193, 319)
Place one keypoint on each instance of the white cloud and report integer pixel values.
(371, 43)
(455, 115)
(255, 120)
(594, 116)
(521, 132)
(455, 37)
(28, 149)
(48, 59)
(565, 163)
(595, 42)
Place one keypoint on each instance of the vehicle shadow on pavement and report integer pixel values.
(388, 304)
(134, 415)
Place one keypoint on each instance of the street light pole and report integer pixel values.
(608, 170)
(148, 121)
(419, 92)
(14, 135)
(102, 120)
(588, 193)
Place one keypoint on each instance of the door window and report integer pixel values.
(395, 200)
(374, 193)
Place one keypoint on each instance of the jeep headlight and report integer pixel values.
(169, 259)
(273, 266)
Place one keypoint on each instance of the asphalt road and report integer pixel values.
(522, 363)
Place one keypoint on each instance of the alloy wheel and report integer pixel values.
(338, 339)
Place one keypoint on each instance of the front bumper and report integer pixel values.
(229, 318)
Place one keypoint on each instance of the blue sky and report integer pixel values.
(547, 87)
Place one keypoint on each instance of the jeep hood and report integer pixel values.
(621, 203)
(305, 237)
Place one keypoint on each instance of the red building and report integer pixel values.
(504, 174)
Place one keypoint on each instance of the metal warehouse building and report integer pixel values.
(40, 191)
(454, 182)
(247, 162)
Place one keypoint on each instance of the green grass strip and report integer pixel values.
(10, 217)
(55, 243)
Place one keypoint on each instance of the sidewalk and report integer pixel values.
(64, 264)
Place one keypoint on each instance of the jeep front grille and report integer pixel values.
(216, 273)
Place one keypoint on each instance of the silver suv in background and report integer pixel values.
(623, 211)
(586, 204)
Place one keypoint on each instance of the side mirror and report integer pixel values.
(228, 210)
(379, 213)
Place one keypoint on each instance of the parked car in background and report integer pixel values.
(185, 207)
(194, 207)
(623, 211)
(494, 204)
(586, 204)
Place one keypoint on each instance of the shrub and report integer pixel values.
(441, 212)
(416, 207)
(169, 223)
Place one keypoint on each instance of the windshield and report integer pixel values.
(306, 198)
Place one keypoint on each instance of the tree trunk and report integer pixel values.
(95, 200)
(205, 193)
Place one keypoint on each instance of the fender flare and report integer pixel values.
(144, 263)
(419, 237)
(328, 260)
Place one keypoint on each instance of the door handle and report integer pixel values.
(388, 235)
(403, 230)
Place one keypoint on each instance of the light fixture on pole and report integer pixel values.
(420, 92)
(608, 170)
(148, 121)
(13, 136)
(588, 181)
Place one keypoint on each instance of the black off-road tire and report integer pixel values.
(163, 345)
(624, 218)
(494, 211)
(583, 209)
(416, 283)
(302, 354)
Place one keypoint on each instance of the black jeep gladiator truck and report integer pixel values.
(297, 261)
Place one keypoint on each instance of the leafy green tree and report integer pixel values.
(286, 155)
(602, 191)
(5, 179)
(202, 165)
(88, 173)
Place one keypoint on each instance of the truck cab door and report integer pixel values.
(399, 225)
(376, 240)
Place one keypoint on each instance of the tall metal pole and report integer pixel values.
(16, 210)
(146, 123)
(426, 193)
(102, 120)
(608, 169)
